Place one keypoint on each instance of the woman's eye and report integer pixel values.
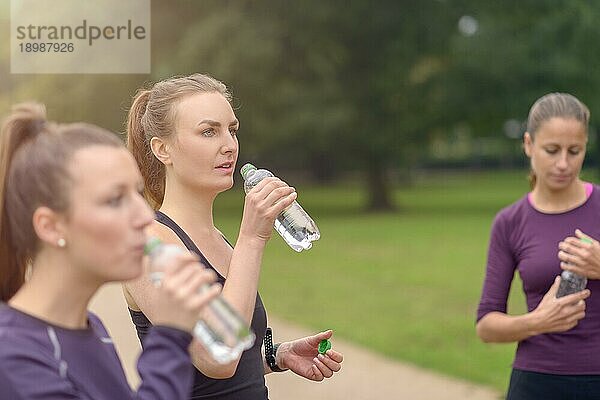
(574, 151)
(551, 151)
(208, 132)
(115, 201)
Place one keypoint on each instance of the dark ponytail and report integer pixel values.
(25, 123)
(34, 172)
(532, 179)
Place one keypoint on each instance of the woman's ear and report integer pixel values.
(49, 226)
(160, 150)
(528, 144)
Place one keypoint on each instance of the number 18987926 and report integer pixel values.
(46, 47)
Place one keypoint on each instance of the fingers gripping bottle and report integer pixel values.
(220, 329)
(571, 282)
(294, 225)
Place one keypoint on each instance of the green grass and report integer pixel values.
(403, 284)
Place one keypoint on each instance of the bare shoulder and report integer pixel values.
(164, 233)
(138, 289)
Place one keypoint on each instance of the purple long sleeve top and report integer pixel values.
(39, 360)
(526, 240)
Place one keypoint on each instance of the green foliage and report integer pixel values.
(327, 86)
(523, 50)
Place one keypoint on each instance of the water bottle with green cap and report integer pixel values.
(570, 282)
(294, 225)
(220, 329)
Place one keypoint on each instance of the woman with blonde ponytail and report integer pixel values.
(72, 218)
(550, 229)
(183, 134)
(154, 172)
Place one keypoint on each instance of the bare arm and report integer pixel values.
(497, 327)
(142, 295)
(263, 204)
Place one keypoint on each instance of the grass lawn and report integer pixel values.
(403, 284)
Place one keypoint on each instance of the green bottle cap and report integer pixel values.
(324, 345)
(247, 168)
(586, 239)
(151, 245)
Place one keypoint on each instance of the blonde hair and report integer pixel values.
(152, 114)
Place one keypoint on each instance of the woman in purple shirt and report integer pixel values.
(72, 219)
(558, 353)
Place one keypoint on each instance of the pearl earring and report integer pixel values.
(61, 242)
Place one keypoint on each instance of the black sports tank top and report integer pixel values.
(248, 382)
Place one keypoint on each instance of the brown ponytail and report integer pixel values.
(532, 179)
(152, 114)
(153, 171)
(27, 121)
(34, 157)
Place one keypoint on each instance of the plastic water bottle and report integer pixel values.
(220, 329)
(571, 282)
(294, 225)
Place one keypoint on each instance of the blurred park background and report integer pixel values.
(400, 124)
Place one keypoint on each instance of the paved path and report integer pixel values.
(364, 376)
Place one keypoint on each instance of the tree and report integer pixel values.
(349, 83)
(333, 85)
(523, 50)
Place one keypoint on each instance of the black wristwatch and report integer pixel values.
(271, 352)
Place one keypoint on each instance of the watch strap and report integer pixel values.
(271, 352)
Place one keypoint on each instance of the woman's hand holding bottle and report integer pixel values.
(181, 299)
(262, 205)
(580, 255)
(558, 314)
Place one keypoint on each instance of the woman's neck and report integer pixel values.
(56, 293)
(192, 210)
(548, 200)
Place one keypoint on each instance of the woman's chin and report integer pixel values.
(131, 271)
(224, 187)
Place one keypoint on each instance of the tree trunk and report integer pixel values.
(378, 186)
(323, 168)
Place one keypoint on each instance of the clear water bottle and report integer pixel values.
(571, 282)
(220, 329)
(294, 225)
